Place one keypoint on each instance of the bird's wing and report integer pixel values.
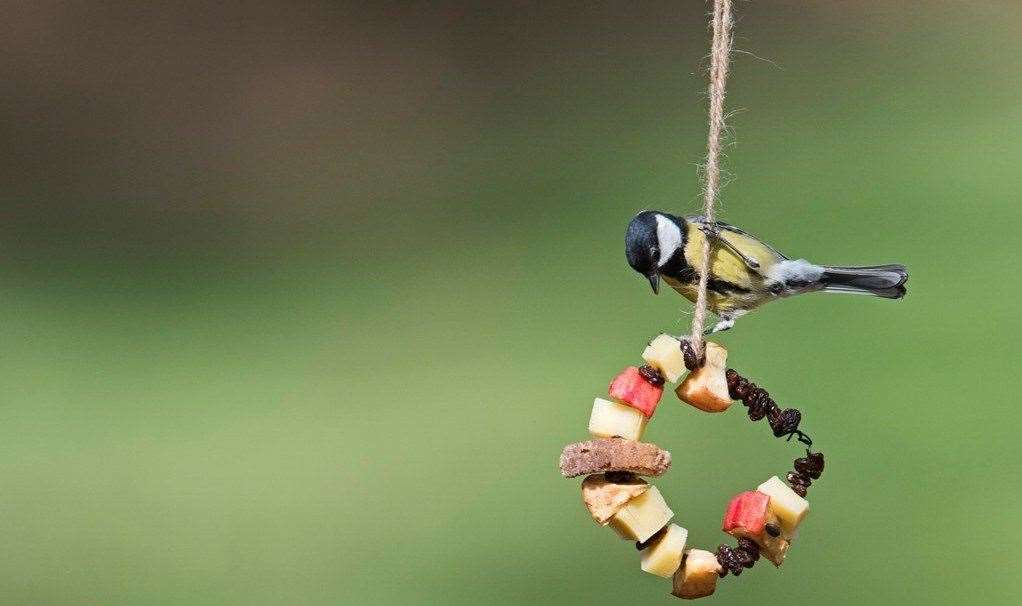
(750, 246)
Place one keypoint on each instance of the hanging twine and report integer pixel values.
(720, 54)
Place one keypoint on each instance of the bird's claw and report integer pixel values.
(724, 324)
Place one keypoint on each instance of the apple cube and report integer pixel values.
(604, 498)
(664, 354)
(613, 420)
(748, 512)
(663, 557)
(706, 387)
(642, 516)
(789, 508)
(773, 548)
(697, 576)
(631, 388)
(748, 516)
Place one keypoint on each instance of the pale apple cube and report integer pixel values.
(643, 516)
(664, 354)
(611, 419)
(663, 557)
(706, 387)
(789, 508)
(697, 576)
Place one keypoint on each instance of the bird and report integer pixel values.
(746, 272)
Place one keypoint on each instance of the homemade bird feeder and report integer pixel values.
(763, 521)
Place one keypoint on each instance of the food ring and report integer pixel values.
(764, 521)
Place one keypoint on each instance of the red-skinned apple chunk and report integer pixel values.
(631, 388)
(746, 512)
(749, 516)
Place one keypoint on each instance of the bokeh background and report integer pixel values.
(299, 301)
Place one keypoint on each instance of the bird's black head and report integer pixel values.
(652, 239)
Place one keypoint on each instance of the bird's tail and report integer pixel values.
(887, 281)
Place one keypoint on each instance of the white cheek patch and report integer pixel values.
(668, 235)
(797, 269)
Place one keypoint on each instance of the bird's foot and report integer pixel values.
(724, 324)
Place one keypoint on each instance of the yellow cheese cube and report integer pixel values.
(664, 354)
(789, 508)
(643, 516)
(610, 419)
(663, 557)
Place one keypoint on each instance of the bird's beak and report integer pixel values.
(654, 282)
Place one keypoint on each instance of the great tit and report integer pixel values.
(746, 272)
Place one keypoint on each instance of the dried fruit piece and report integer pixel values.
(631, 388)
(729, 560)
(738, 386)
(798, 482)
(620, 477)
(749, 551)
(759, 402)
(706, 387)
(604, 497)
(663, 556)
(688, 353)
(697, 576)
(610, 419)
(785, 422)
(643, 516)
(651, 374)
(810, 465)
(664, 354)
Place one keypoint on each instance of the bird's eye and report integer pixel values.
(654, 252)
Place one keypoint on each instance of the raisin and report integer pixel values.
(760, 408)
(744, 558)
(811, 466)
(816, 463)
(797, 478)
(754, 394)
(651, 375)
(785, 422)
(742, 387)
(731, 376)
(729, 560)
(619, 477)
(750, 547)
(688, 352)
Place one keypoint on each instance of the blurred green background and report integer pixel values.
(300, 301)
